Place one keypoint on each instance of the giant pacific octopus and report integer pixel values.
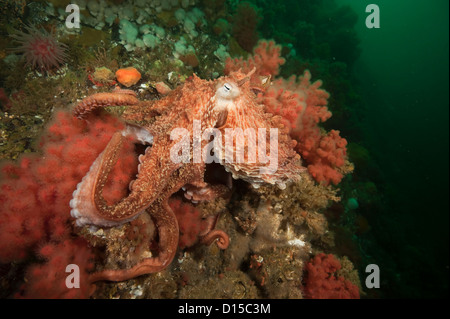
(228, 102)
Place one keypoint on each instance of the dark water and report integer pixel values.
(403, 72)
(400, 75)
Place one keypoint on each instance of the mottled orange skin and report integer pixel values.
(210, 103)
(116, 98)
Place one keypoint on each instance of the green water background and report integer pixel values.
(403, 74)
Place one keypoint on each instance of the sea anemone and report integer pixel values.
(40, 49)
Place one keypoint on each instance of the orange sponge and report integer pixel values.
(128, 76)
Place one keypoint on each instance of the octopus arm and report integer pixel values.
(99, 100)
(88, 204)
(168, 230)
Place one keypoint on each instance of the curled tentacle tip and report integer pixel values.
(219, 236)
(223, 243)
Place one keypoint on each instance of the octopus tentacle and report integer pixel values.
(98, 100)
(90, 207)
(206, 192)
(223, 240)
(210, 235)
(168, 230)
(87, 196)
(167, 225)
(88, 204)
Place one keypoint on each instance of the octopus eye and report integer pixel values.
(227, 87)
(227, 91)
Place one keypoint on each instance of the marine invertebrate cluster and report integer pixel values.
(102, 76)
(100, 14)
(144, 26)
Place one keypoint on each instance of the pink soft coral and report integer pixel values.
(328, 154)
(321, 281)
(35, 195)
(48, 280)
(266, 59)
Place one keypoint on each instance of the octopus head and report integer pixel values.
(232, 93)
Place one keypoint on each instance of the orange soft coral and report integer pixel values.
(321, 281)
